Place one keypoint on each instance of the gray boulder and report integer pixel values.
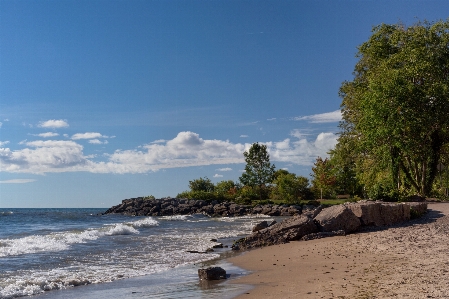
(291, 229)
(212, 273)
(259, 226)
(337, 218)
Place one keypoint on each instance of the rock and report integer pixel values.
(416, 198)
(272, 223)
(392, 213)
(288, 230)
(212, 273)
(259, 226)
(320, 235)
(417, 209)
(218, 246)
(337, 218)
(368, 212)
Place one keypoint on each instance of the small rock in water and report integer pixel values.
(212, 273)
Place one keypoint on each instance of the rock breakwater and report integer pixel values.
(180, 206)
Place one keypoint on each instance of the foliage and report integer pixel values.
(259, 172)
(203, 195)
(395, 111)
(291, 188)
(344, 169)
(226, 188)
(202, 184)
(149, 197)
(324, 180)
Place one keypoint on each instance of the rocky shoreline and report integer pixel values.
(180, 206)
(336, 220)
(307, 222)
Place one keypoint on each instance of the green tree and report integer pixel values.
(259, 172)
(291, 188)
(396, 108)
(202, 184)
(344, 169)
(323, 182)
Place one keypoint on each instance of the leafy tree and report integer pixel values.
(396, 109)
(323, 182)
(291, 188)
(202, 184)
(259, 172)
(344, 169)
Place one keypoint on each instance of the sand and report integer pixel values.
(410, 260)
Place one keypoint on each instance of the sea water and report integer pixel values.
(43, 250)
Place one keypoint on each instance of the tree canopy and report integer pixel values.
(258, 170)
(396, 109)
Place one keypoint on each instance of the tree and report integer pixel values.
(226, 189)
(291, 188)
(344, 169)
(396, 109)
(201, 184)
(323, 182)
(258, 170)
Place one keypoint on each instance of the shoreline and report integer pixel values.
(406, 260)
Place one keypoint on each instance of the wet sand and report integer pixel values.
(410, 260)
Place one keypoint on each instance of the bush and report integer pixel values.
(203, 195)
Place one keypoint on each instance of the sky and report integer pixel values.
(106, 100)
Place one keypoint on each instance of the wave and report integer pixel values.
(63, 240)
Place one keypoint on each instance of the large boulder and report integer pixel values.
(368, 212)
(394, 213)
(212, 273)
(382, 213)
(417, 209)
(259, 226)
(291, 229)
(337, 218)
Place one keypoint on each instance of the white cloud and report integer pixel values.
(44, 156)
(298, 133)
(3, 143)
(1, 124)
(97, 141)
(328, 117)
(186, 149)
(159, 141)
(224, 169)
(53, 123)
(47, 134)
(88, 135)
(218, 175)
(244, 136)
(17, 181)
(302, 151)
(271, 119)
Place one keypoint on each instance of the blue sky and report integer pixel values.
(106, 100)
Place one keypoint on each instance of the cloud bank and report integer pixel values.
(185, 150)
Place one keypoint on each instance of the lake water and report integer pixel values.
(50, 251)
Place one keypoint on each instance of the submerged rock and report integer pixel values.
(212, 273)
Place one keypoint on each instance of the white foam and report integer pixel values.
(177, 217)
(60, 241)
(121, 229)
(146, 222)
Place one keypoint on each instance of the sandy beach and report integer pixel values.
(409, 260)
